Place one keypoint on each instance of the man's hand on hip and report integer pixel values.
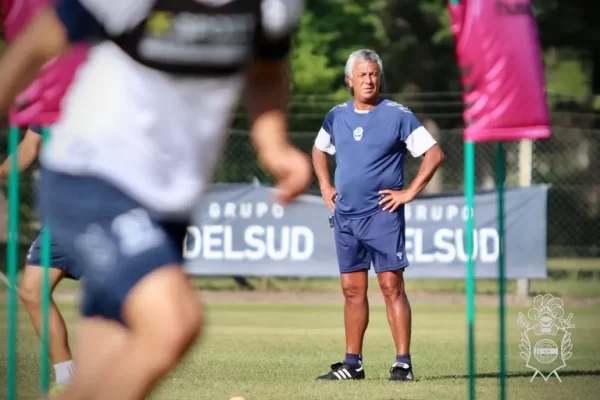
(395, 198)
(329, 194)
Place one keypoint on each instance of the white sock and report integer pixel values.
(64, 371)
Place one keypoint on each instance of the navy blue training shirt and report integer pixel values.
(186, 37)
(370, 148)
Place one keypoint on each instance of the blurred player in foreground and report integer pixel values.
(141, 132)
(370, 137)
(61, 266)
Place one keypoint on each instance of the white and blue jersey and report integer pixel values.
(142, 128)
(149, 110)
(370, 148)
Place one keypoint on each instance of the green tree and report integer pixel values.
(329, 32)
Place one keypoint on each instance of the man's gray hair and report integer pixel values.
(363, 55)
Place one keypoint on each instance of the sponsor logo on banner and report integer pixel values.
(261, 239)
(446, 245)
(238, 229)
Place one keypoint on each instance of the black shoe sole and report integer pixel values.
(356, 378)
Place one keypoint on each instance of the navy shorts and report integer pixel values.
(377, 238)
(59, 258)
(115, 241)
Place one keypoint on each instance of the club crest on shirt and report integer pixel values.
(358, 134)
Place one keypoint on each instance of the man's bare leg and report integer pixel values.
(398, 314)
(30, 292)
(356, 313)
(397, 308)
(160, 330)
(356, 320)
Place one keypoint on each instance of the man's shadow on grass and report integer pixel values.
(496, 375)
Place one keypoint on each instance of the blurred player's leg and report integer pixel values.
(129, 363)
(162, 328)
(98, 342)
(30, 291)
(134, 277)
(132, 359)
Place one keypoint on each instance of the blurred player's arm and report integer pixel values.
(27, 152)
(41, 40)
(266, 99)
(267, 84)
(266, 102)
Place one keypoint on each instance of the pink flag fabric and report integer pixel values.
(39, 103)
(502, 74)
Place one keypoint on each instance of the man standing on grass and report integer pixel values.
(370, 137)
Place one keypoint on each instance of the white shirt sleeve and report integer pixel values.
(419, 141)
(323, 142)
(118, 16)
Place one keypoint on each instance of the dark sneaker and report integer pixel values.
(340, 371)
(401, 372)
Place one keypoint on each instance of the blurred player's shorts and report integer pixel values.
(115, 241)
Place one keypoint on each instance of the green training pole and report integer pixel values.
(469, 159)
(12, 259)
(500, 178)
(469, 167)
(45, 336)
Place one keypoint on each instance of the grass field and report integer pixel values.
(565, 279)
(566, 286)
(263, 347)
(274, 351)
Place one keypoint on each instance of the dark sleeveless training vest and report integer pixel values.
(187, 37)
